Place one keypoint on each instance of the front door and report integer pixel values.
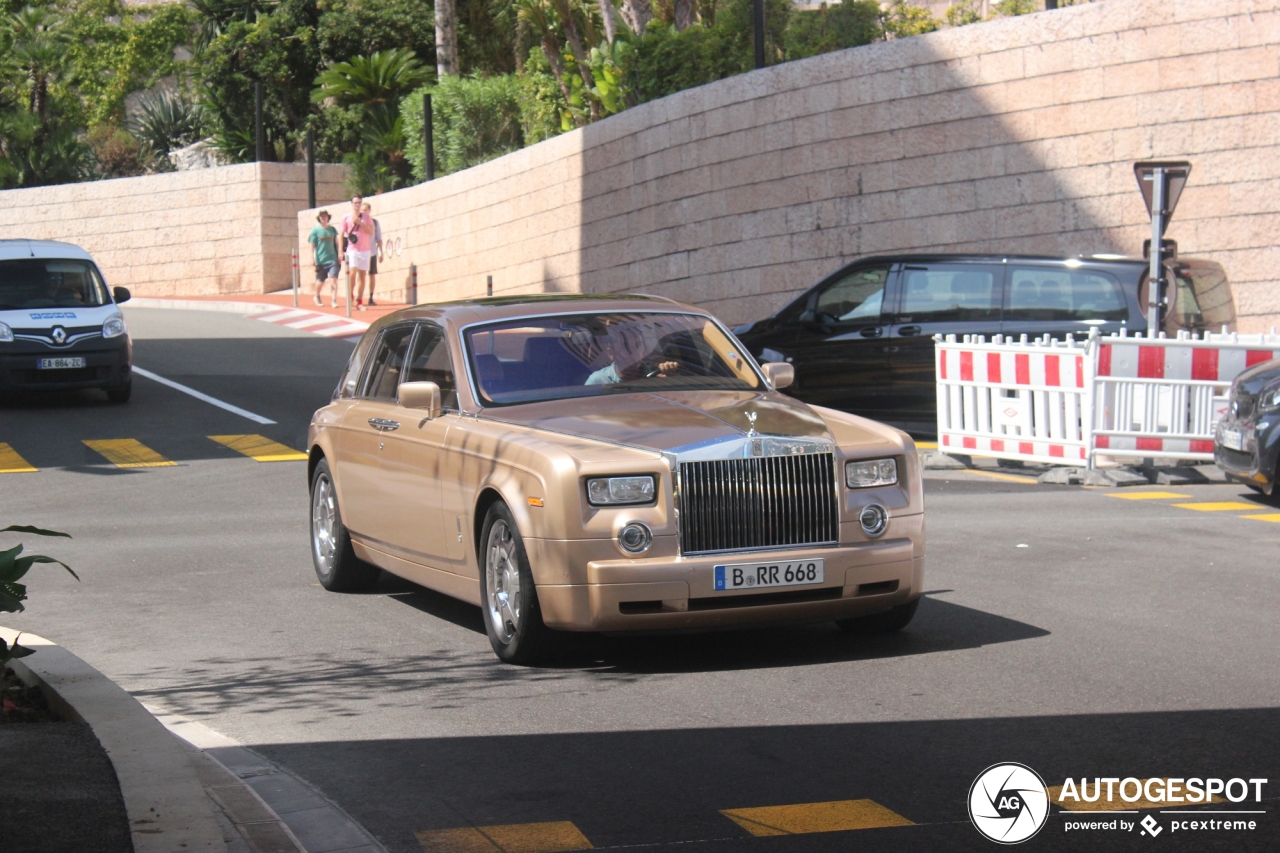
(414, 465)
(362, 438)
(839, 352)
(935, 299)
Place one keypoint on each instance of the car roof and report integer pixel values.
(494, 308)
(12, 249)
(997, 257)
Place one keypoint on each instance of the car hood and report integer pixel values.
(1253, 380)
(671, 420)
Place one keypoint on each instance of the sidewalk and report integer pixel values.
(283, 299)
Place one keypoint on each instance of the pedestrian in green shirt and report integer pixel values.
(324, 240)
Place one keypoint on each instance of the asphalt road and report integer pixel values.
(1078, 631)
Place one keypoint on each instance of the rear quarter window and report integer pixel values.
(1064, 295)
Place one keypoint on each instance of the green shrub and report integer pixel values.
(844, 25)
(542, 103)
(474, 119)
(668, 61)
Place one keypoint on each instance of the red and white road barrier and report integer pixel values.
(1162, 397)
(1014, 400)
(1066, 402)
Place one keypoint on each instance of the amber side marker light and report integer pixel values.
(535, 501)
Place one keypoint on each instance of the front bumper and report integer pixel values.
(639, 594)
(1255, 463)
(108, 363)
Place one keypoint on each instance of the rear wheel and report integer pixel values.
(512, 617)
(887, 622)
(120, 393)
(335, 561)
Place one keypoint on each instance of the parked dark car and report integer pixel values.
(1246, 445)
(861, 340)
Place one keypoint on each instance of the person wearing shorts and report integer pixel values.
(324, 242)
(357, 229)
(377, 252)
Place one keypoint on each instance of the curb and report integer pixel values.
(203, 305)
(166, 804)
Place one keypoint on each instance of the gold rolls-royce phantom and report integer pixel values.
(606, 464)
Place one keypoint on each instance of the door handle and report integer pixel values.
(384, 425)
(872, 332)
(909, 331)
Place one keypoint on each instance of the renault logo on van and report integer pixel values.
(58, 334)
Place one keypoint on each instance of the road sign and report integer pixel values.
(1176, 173)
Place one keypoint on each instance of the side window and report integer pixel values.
(949, 294)
(1063, 295)
(388, 363)
(1203, 296)
(430, 362)
(855, 298)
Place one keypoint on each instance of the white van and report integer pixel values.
(60, 327)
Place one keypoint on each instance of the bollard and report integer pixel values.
(293, 262)
(489, 285)
(413, 284)
(348, 290)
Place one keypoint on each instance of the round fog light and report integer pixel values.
(873, 519)
(635, 538)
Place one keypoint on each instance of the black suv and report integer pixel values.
(861, 339)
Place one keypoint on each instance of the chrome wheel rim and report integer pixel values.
(502, 574)
(324, 523)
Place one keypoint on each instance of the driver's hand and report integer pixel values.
(668, 367)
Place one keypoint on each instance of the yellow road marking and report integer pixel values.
(1102, 805)
(129, 453)
(1147, 496)
(1218, 506)
(260, 448)
(804, 818)
(1270, 516)
(926, 445)
(11, 462)
(510, 838)
(1012, 478)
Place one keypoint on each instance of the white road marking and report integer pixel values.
(213, 401)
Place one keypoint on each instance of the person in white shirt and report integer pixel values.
(377, 251)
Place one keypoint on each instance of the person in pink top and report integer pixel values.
(357, 232)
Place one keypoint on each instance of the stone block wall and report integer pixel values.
(204, 232)
(1016, 135)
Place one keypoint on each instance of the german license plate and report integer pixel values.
(60, 363)
(740, 576)
(1233, 439)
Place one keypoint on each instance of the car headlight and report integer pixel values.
(114, 327)
(1269, 399)
(865, 473)
(6, 334)
(612, 491)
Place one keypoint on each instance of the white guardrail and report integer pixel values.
(1067, 402)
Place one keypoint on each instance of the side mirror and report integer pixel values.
(121, 294)
(420, 395)
(778, 374)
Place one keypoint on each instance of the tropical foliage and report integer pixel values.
(98, 88)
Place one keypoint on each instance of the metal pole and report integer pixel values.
(428, 137)
(1156, 271)
(293, 262)
(1051, 4)
(489, 284)
(413, 284)
(259, 140)
(349, 271)
(757, 15)
(311, 169)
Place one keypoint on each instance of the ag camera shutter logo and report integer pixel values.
(1008, 803)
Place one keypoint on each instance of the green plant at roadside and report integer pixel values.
(167, 121)
(1009, 8)
(474, 119)
(541, 102)
(963, 13)
(836, 27)
(903, 19)
(13, 567)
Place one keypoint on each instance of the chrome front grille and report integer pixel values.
(757, 503)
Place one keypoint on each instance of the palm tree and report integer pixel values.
(446, 37)
(374, 81)
(36, 50)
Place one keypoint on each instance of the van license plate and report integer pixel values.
(740, 576)
(1233, 439)
(60, 363)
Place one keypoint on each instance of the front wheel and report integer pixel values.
(512, 617)
(894, 619)
(335, 561)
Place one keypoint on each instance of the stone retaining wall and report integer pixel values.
(197, 233)
(1016, 135)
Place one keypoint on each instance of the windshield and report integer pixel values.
(50, 283)
(588, 355)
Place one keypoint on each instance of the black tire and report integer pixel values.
(335, 561)
(508, 596)
(120, 393)
(887, 622)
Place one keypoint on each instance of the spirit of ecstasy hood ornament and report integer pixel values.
(751, 420)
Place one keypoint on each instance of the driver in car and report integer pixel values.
(610, 373)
